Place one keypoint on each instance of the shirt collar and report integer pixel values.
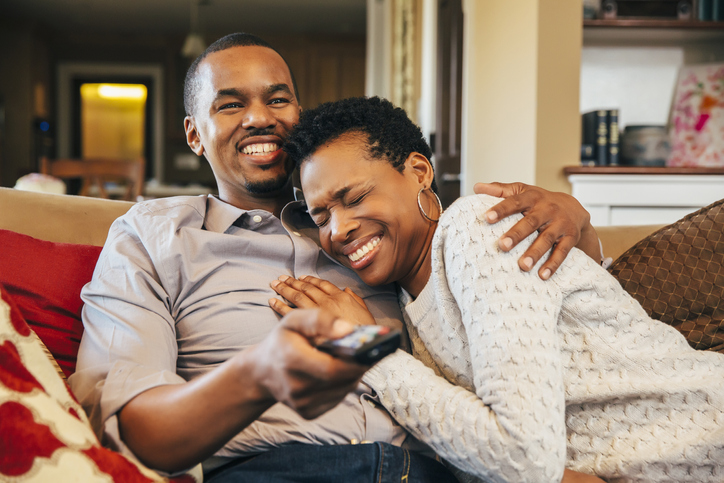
(220, 216)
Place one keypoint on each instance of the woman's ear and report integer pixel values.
(421, 168)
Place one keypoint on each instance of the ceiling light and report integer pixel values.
(116, 91)
(194, 44)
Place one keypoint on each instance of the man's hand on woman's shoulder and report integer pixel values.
(559, 218)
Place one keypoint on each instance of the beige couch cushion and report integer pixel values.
(59, 218)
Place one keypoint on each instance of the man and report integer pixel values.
(183, 359)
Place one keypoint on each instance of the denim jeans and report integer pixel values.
(360, 463)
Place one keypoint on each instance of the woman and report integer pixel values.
(543, 375)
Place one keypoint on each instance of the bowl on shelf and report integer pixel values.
(645, 146)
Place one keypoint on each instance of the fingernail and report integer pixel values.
(275, 283)
(284, 278)
(528, 262)
(272, 301)
(506, 243)
(491, 216)
(546, 274)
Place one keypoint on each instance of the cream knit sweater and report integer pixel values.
(541, 375)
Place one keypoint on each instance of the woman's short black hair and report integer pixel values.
(391, 135)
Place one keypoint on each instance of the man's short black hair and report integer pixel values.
(239, 39)
(391, 135)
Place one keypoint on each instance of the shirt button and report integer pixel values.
(257, 218)
(297, 233)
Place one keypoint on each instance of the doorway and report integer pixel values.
(79, 124)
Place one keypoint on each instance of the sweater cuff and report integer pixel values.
(376, 377)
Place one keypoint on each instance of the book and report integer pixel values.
(613, 137)
(594, 132)
(704, 10)
(717, 10)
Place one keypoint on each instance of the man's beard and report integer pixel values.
(270, 186)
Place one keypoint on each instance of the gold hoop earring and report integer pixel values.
(419, 205)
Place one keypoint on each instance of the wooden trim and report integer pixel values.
(568, 170)
(653, 23)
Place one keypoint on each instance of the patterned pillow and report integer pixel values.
(677, 274)
(44, 433)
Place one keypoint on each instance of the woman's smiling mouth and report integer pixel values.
(364, 255)
(364, 250)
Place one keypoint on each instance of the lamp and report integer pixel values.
(194, 44)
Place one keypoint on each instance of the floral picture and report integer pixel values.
(696, 125)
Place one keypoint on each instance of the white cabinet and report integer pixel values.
(638, 198)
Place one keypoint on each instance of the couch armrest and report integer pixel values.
(59, 218)
(617, 239)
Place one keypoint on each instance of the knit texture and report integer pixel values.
(541, 375)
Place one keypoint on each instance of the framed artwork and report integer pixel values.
(696, 122)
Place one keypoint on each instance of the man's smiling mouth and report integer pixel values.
(364, 250)
(260, 148)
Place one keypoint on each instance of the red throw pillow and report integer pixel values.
(44, 279)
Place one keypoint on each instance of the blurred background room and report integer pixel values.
(500, 89)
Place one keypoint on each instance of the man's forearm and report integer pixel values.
(174, 427)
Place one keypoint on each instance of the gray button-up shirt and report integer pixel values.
(181, 286)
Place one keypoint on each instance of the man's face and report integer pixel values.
(244, 109)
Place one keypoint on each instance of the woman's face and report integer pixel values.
(367, 210)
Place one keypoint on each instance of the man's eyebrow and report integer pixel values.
(229, 91)
(278, 88)
(337, 195)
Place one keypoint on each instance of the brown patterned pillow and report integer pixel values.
(677, 274)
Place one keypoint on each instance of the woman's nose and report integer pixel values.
(341, 227)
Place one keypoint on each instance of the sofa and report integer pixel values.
(50, 244)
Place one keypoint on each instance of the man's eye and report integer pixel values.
(321, 223)
(231, 105)
(279, 101)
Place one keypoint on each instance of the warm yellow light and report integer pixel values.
(121, 91)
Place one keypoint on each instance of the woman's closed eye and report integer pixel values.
(357, 200)
(322, 222)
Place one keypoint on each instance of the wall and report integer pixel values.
(636, 70)
(19, 74)
(520, 91)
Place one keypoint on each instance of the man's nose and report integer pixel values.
(341, 227)
(258, 115)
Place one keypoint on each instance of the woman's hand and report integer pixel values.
(570, 476)
(312, 292)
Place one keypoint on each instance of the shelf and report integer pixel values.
(653, 23)
(568, 170)
(650, 32)
(630, 195)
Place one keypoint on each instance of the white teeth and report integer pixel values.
(361, 252)
(260, 148)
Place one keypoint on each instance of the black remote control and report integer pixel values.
(366, 345)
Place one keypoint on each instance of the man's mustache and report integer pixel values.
(252, 132)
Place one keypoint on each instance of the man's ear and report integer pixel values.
(192, 136)
(421, 168)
